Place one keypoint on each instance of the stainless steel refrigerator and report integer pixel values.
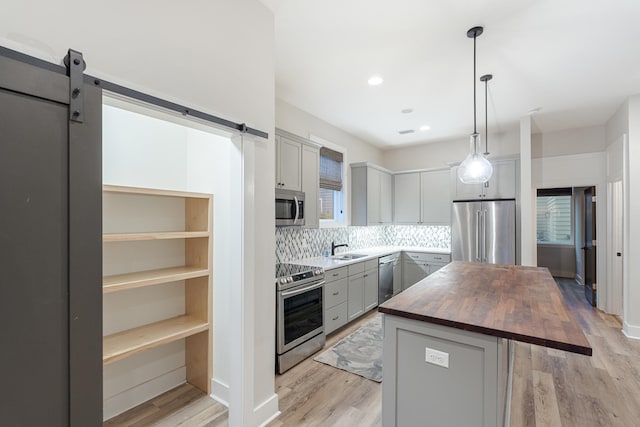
(484, 231)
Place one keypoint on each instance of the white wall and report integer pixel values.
(439, 154)
(214, 55)
(301, 123)
(567, 142)
(632, 246)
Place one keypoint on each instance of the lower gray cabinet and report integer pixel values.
(356, 296)
(363, 287)
(370, 289)
(418, 265)
(335, 299)
(441, 376)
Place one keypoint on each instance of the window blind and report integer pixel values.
(330, 169)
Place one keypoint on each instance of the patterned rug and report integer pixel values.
(359, 353)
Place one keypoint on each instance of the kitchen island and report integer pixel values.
(447, 342)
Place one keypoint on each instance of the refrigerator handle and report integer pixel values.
(478, 255)
(484, 236)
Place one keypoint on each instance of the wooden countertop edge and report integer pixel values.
(573, 348)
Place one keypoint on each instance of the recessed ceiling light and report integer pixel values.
(375, 80)
(425, 127)
(407, 111)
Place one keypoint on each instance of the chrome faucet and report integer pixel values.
(334, 246)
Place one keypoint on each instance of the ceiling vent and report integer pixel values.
(404, 132)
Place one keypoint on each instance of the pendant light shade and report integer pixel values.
(475, 169)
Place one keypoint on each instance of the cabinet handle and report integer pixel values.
(437, 257)
(336, 318)
(366, 275)
(335, 274)
(336, 293)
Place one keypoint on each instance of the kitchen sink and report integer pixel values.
(347, 257)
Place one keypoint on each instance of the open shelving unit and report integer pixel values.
(195, 325)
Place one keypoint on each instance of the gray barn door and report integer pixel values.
(50, 250)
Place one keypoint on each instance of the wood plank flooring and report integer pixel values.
(184, 405)
(550, 388)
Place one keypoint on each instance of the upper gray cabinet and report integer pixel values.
(298, 168)
(371, 195)
(502, 185)
(311, 185)
(288, 164)
(422, 198)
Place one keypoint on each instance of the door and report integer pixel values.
(436, 198)
(289, 165)
(407, 198)
(386, 198)
(465, 225)
(355, 303)
(498, 232)
(50, 249)
(370, 289)
(589, 248)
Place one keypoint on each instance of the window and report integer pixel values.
(554, 217)
(331, 194)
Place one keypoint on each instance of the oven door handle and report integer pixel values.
(301, 291)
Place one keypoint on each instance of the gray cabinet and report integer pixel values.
(336, 292)
(298, 168)
(422, 198)
(311, 185)
(418, 265)
(441, 376)
(371, 195)
(363, 288)
(356, 296)
(288, 164)
(502, 184)
(435, 197)
(370, 288)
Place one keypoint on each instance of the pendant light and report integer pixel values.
(475, 169)
(485, 79)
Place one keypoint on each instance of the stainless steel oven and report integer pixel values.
(289, 207)
(300, 313)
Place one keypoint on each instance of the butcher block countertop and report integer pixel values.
(507, 301)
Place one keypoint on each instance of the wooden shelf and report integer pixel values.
(153, 192)
(121, 282)
(161, 235)
(127, 343)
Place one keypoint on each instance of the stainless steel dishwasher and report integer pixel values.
(389, 281)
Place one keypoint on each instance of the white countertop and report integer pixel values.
(329, 263)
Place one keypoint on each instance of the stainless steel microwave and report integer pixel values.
(289, 207)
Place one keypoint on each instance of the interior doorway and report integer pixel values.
(566, 234)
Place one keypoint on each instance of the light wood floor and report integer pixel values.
(550, 388)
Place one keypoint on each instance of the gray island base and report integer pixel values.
(448, 350)
(440, 376)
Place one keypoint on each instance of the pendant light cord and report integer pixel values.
(474, 86)
(486, 121)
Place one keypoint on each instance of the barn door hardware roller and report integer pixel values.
(75, 70)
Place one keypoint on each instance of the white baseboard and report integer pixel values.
(220, 392)
(134, 396)
(267, 411)
(631, 331)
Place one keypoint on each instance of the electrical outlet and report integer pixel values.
(436, 357)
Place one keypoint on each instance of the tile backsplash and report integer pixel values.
(296, 243)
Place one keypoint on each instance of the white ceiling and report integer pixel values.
(575, 60)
